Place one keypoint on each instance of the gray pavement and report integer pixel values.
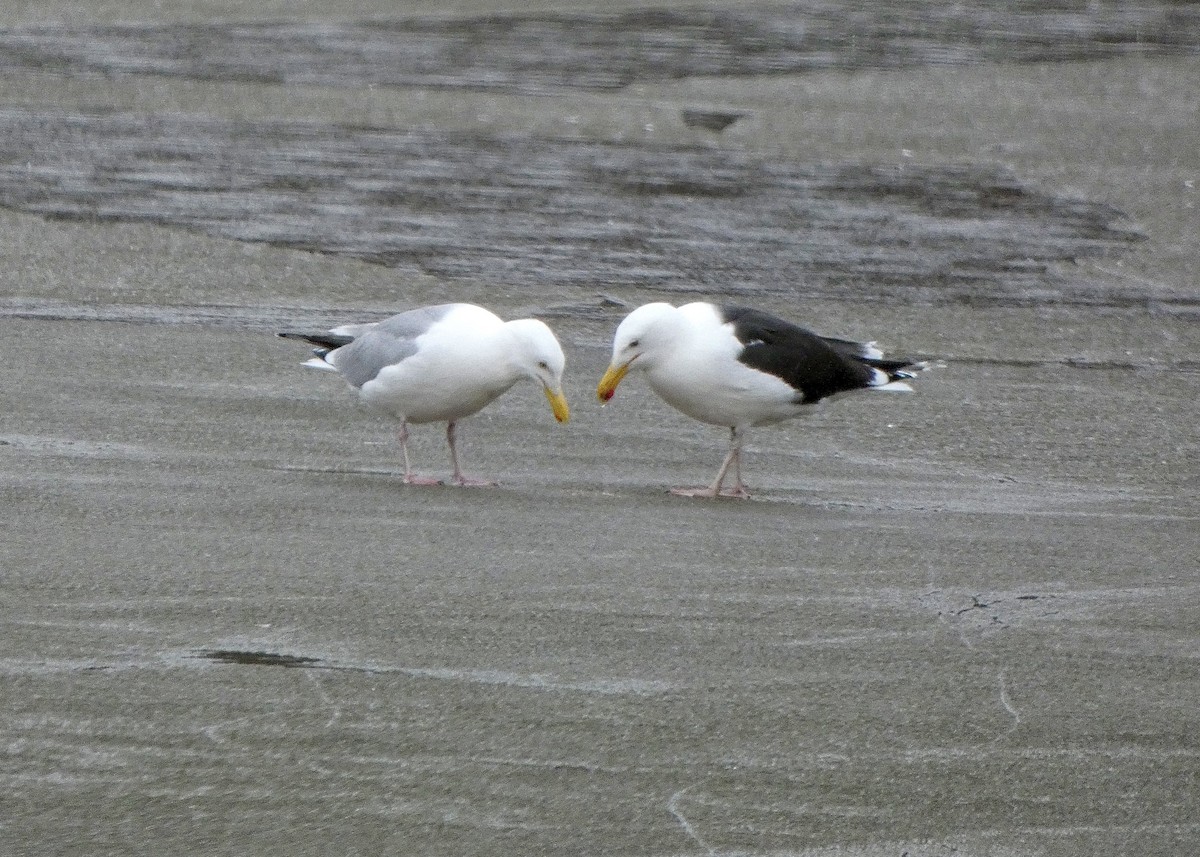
(962, 621)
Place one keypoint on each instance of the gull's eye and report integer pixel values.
(634, 343)
(542, 364)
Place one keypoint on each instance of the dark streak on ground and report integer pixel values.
(258, 659)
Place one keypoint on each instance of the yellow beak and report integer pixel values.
(608, 384)
(558, 404)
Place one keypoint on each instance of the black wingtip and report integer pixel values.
(328, 341)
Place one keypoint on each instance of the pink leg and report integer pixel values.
(409, 477)
(459, 478)
(739, 489)
(734, 458)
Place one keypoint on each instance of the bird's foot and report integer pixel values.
(468, 482)
(413, 479)
(693, 492)
(739, 492)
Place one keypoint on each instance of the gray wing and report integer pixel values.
(411, 324)
(406, 325)
(383, 343)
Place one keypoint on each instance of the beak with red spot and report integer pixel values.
(608, 384)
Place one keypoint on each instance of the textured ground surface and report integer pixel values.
(958, 622)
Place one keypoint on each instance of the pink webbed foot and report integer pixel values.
(739, 492)
(413, 479)
(468, 482)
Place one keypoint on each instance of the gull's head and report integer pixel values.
(540, 356)
(640, 338)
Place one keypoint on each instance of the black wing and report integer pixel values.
(814, 365)
(327, 341)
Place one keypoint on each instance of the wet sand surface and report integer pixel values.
(962, 621)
